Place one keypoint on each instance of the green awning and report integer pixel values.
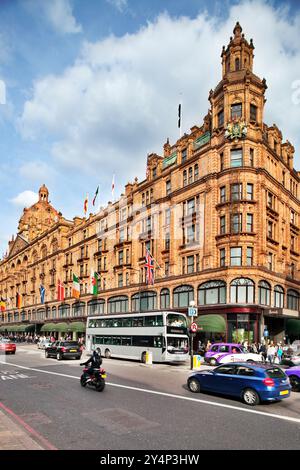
(60, 326)
(293, 326)
(77, 326)
(169, 160)
(48, 327)
(3, 328)
(29, 328)
(211, 323)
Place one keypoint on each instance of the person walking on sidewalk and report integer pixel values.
(271, 351)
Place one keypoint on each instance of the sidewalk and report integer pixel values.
(14, 437)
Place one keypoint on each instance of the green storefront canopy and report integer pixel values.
(48, 327)
(60, 326)
(77, 326)
(211, 323)
(293, 327)
(29, 328)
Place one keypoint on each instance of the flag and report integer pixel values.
(76, 287)
(149, 265)
(113, 187)
(179, 116)
(2, 305)
(96, 194)
(93, 283)
(85, 205)
(18, 300)
(60, 291)
(42, 294)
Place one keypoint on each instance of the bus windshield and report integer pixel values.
(173, 319)
(177, 345)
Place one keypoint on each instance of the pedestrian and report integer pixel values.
(271, 351)
(263, 351)
(279, 352)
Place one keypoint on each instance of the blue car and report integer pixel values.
(252, 383)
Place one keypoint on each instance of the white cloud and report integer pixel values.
(35, 171)
(119, 100)
(59, 14)
(25, 199)
(118, 4)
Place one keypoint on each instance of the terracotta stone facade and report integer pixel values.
(218, 210)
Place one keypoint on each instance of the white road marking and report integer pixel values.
(169, 395)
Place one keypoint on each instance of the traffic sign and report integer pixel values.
(194, 327)
(192, 311)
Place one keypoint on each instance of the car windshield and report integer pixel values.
(275, 373)
(70, 343)
(177, 345)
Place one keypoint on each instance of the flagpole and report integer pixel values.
(180, 114)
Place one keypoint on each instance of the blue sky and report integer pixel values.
(92, 86)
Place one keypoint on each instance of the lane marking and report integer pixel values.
(171, 395)
(28, 428)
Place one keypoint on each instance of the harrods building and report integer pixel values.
(218, 210)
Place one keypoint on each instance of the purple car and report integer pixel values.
(293, 374)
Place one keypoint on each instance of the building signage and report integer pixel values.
(202, 140)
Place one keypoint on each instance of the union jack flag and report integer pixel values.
(149, 266)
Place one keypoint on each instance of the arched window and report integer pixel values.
(41, 314)
(293, 299)
(64, 310)
(182, 296)
(143, 301)
(264, 289)
(16, 316)
(237, 63)
(278, 296)
(44, 251)
(78, 309)
(118, 304)
(96, 307)
(242, 291)
(212, 292)
(53, 313)
(164, 298)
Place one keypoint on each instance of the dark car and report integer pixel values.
(250, 382)
(294, 375)
(64, 349)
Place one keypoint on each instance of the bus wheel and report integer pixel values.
(143, 358)
(107, 354)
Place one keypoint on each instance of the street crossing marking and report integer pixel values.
(169, 395)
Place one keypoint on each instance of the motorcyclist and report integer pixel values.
(95, 361)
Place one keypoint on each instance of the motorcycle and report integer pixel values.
(96, 379)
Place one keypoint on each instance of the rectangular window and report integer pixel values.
(293, 217)
(190, 264)
(122, 234)
(167, 268)
(168, 187)
(190, 234)
(222, 257)
(270, 200)
(221, 161)
(121, 257)
(185, 178)
(236, 256)
(167, 241)
(236, 191)
(249, 192)
(236, 111)
(167, 216)
(249, 256)
(120, 280)
(270, 261)
(249, 223)
(191, 206)
(183, 155)
(154, 172)
(253, 113)
(270, 229)
(222, 224)
(236, 158)
(221, 118)
(190, 175)
(223, 194)
(251, 157)
(196, 172)
(236, 223)
(293, 243)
